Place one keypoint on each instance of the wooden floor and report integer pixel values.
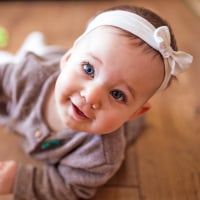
(164, 162)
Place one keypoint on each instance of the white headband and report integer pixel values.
(158, 38)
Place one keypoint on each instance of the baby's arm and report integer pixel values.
(7, 176)
(89, 163)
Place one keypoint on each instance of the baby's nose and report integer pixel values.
(93, 95)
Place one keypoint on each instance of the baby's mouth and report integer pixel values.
(79, 112)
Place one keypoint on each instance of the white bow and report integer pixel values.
(178, 61)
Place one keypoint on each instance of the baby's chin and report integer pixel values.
(92, 128)
(94, 131)
(98, 131)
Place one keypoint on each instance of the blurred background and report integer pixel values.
(163, 163)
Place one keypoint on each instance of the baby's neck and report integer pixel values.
(50, 112)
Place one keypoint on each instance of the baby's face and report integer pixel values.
(105, 82)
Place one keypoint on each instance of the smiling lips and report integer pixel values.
(79, 113)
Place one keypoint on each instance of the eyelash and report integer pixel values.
(123, 96)
(89, 73)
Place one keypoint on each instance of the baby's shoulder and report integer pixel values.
(114, 145)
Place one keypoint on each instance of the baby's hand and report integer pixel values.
(7, 176)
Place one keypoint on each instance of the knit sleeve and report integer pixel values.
(5, 76)
(6, 89)
(20, 85)
(38, 183)
(34, 183)
(76, 175)
(13, 81)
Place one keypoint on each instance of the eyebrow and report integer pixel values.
(132, 91)
(94, 57)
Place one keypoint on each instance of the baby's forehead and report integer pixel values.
(130, 40)
(109, 36)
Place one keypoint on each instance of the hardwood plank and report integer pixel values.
(6, 197)
(167, 170)
(194, 5)
(127, 175)
(10, 148)
(117, 194)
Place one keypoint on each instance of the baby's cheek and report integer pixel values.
(113, 123)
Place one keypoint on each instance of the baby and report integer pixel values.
(75, 118)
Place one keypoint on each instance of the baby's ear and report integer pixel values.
(141, 111)
(65, 58)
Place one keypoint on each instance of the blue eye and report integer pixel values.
(88, 69)
(118, 95)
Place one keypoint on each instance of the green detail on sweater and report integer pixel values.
(51, 143)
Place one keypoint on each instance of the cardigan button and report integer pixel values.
(38, 134)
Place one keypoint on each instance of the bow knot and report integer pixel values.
(178, 61)
(165, 50)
